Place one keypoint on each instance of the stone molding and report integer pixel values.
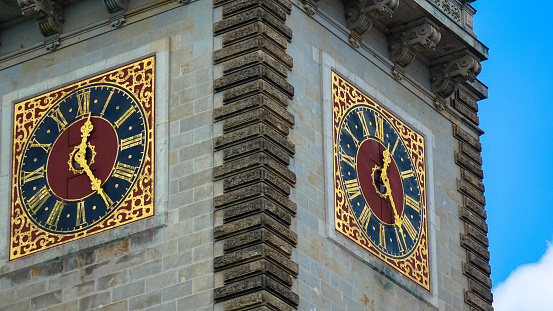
(257, 242)
(446, 76)
(361, 14)
(474, 239)
(116, 8)
(49, 17)
(406, 42)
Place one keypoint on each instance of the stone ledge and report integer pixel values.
(472, 179)
(471, 191)
(257, 145)
(482, 291)
(261, 266)
(463, 109)
(286, 4)
(478, 262)
(255, 116)
(254, 58)
(272, 6)
(252, 73)
(256, 206)
(469, 164)
(252, 16)
(255, 176)
(466, 137)
(253, 161)
(476, 234)
(250, 103)
(255, 29)
(253, 192)
(468, 151)
(477, 275)
(254, 284)
(253, 88)
(253, 253)
(230, 53)
(257, 237)
(254, 222)
(472, 245)
(469, 217)
(476, 208)
(252, 132)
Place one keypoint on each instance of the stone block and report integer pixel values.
(474, 207)
(467, 100)
(93, 301)
(472, 179)
(257, 145)
(482, 291)
(468, 216)
(145, 300)
(254, 222)
(176, 291)
(254, 58)
(259, 115)
(257, 28)
(255, 87)
(468, 151)
(252, 73)
(257, 283)
(260, 205)
(479, 262)
(477, 302)
(253, 102)
(252, 161)
(112, 280)
(477, 275)
(116, 306)
(256, 176)
(252, 16)
(468, 138)
(476, 234)
(464, 109)
(232, 8)
(79, 290)
(257, 236)
(471, 191)
(253, 192)
(470, 165)
(252, 132)
(19, 306)
(474, 246)
(255, 253)
(27, 291)
(130, 290)
(261, 266)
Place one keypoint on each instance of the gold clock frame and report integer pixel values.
(138, 78)
(416, 266)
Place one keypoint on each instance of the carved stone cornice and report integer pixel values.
(361, 14)
(447, 75)
(116, 8)
(47, 13)
(406, 42)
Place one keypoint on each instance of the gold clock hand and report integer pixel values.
(386, 181)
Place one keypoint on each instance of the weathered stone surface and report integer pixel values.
(477, 275)
(472, 245)
(477, 302)
(254, 222)
(478, 262)
(256, 176)
(255, 87)
(260, 144)
(469, 164)
(258, 28)
(255, 268)
(259, 115)
(471, 191)
(467, 99)
(253, 102)
(258, 299)
(468, 216)
(257, 283)
(476, 208)
(257, 236)
(257, 43)
(252, 161)
(472, 179)
(252, 16)
(254, 58)
(272, 6)
(249, 74)
(253, 192)
(260, 205)
(482, 291)
(253, 253)
(463, 109)
(468, 151)
(252, 132)
(476, 234)
(466, 137)
(286, 4)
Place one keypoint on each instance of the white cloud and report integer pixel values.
(528, 288)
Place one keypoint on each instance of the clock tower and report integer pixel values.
(242, 155)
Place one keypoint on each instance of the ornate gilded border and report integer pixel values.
(139, 79)
(416, 266)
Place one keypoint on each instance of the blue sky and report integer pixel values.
(518, 146)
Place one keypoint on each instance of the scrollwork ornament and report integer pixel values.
(406, 44)
(446, 76)
(47, 13)
(360, 14)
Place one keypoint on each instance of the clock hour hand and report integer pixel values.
(386, 181)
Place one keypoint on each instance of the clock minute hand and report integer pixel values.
(386, 181)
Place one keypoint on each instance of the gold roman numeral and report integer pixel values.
(131, 141)
(409, 228)
(107, 102)
(59, 118)
(83, 100)
(363, 123)
(54, 217)
(414, 204)
(379, 127)
(106, 198)
(346, 127)
(36, 174)
(124, 171)
(35, 143)
(406, 174)
(38, 199)
(352, 188)
(124, 117)
(395, 146)
(382, 242)
(348, 159)
(81, 219)
(400, 240)
(365, 217)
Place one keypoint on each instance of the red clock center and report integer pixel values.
(72, 183)
(369, 156)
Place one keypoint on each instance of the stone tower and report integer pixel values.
(241, 155)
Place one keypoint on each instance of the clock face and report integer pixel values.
(385, 204)
(101, 123)
(83, 159)
(379, 182)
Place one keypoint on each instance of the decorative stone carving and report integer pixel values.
(398, 72)
(445, 76)
(406, 43)
(47, 13)
(309, 6)
(360, 14)
(116, 8)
